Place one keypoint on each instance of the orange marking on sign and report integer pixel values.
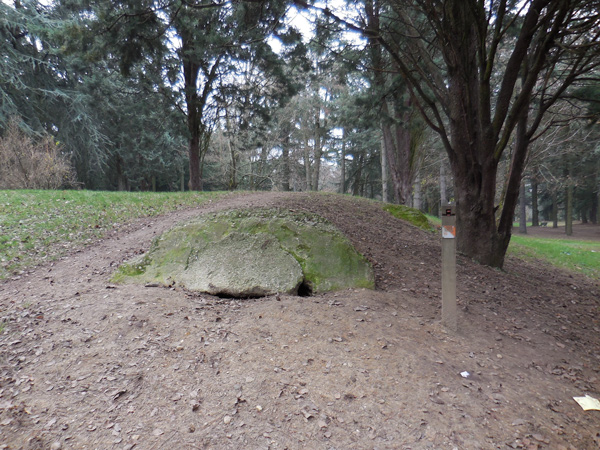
(448, 232)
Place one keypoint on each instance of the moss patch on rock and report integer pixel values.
(248, 253)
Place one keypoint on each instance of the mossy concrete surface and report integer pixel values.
(411, 215)
(249, 253)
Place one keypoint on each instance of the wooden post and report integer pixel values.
(449, 313)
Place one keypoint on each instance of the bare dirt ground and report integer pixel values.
(85, 364)
(584, 231)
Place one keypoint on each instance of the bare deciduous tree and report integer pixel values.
(32, 164)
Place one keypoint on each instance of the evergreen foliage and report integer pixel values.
(160, 95)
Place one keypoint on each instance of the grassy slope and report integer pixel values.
(414, 216)
(570, 254)
(37, 226)
(577, 256)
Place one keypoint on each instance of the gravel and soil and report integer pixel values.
(87, 364)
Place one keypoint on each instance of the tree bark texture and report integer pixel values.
(307, 165)
(190, 75)
(232, 183)
(416, 202)
(384, 173)
(398, 146)
(122, 183)
(343, 164)
(398, 164)
(285, 161)
(535, 215)
(358, 181)
(401, 149)
(443, 186)
(471, 154)
(522, 209)
(182, 178)
(554, 209)
(196, 99)
(318, 151)
(569, 210)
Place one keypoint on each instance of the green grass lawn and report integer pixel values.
(574, 255)
(37, 226)
(571, 254)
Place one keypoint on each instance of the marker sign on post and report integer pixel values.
(448, 232)
(449, 314)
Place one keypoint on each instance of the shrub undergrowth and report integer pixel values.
(32, 163)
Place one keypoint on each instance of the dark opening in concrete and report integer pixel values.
(305, 289)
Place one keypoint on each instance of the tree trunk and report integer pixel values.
(182, 178)
(199, 142)
(416, 203)
(554, 210)
(399, 149)
(195, 183)
(398, 145)
(231, 170)
(190, 73)
(384, 173)
(535, 218)
(569, 210)
(477, 236)
(307, 167)
(233, 174)
(199, 133)
(122, 184)
(594, 209)
(356, 186)
(515, 178)
(252, 169)
(475, 186)
(317, 153)
(263, 168)
(443, 193)
(285, 161)
(343, 164)
(522, 209)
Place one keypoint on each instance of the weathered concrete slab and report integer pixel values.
(248, 253)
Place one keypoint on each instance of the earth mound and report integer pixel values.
(252, 253)
(86, 363)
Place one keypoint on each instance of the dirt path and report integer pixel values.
(583, 231)
(85, 364)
